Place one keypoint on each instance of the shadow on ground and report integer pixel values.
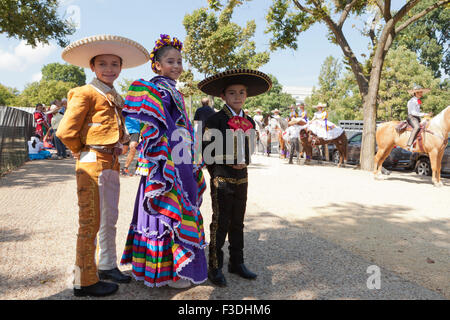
(35, 174)
(291, 263)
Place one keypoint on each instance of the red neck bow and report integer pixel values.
(419, 101)
(237, 123)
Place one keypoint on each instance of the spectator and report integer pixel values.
(63, 106)
(42, 126)
(56, 119)
(36, 149)
(203, 113)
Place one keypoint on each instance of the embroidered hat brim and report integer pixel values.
(255, 81)
(423, 90)
(80, 53)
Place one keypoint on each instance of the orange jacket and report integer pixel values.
(90, 120)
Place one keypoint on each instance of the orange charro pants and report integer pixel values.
(98, 188)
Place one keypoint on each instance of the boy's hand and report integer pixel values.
(76, 155)
(239, 166)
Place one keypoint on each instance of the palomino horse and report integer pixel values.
(434, 141)
(309, 139)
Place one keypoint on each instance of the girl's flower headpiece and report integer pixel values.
(165, 40)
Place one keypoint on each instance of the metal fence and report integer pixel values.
(16, 128)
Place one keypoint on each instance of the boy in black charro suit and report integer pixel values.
(227, 162)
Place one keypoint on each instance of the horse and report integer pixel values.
(309, 139)
(431, 139)
(283, 125)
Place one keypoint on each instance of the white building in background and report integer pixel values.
(298, 93)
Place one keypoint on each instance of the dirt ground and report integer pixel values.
(311, 232)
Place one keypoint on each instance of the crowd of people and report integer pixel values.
(44, 139)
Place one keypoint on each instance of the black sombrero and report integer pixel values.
(255, 81)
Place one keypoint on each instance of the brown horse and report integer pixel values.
(309, 139)
(434, 140)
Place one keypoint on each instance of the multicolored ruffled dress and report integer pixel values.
(166, 240)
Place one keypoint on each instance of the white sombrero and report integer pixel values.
(417, 88)
(275, 111)
(320, 105)
(258, 110)
(80, 53)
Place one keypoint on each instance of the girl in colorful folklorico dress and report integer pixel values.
(321, 126)
(166, 241)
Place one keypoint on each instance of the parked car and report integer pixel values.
(398, 158)
(422, 164)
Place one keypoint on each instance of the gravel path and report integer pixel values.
(311, 233)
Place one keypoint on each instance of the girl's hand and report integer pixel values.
(76, 155)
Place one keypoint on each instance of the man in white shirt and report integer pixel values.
(414, 113)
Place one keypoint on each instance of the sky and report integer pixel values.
(144, 20)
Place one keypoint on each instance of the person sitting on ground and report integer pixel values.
(36, 149)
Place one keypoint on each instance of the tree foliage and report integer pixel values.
(7, 96)
(429, 38)
(34, 21)
(64, 72)
(215, 43)
(44, 92)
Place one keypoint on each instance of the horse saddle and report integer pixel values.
(405, 126)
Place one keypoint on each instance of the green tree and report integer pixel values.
(8, 96)
(34, 21)
(428, 37)
(214, 43)
(64, 72)
(44, 92)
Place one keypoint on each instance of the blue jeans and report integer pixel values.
(60, 147)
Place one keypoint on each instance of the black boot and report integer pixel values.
(114, 275)
(100, 289)
(242, 271)
(216, 276)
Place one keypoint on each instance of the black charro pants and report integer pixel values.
(229, 200)
(414, 122)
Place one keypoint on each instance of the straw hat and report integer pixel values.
(255, 81)
(275, 111)
(418, 88)
(258, 110)
(80, 53)
(320, 105)
(54, 108)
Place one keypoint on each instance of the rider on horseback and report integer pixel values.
(414, 113)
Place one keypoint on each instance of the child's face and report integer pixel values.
(235, 96)
(171, 64)
(107, 68)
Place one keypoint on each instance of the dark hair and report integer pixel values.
(160, 53)
(232, 83)
(34, 141)
(39, 105)
(92, 62)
